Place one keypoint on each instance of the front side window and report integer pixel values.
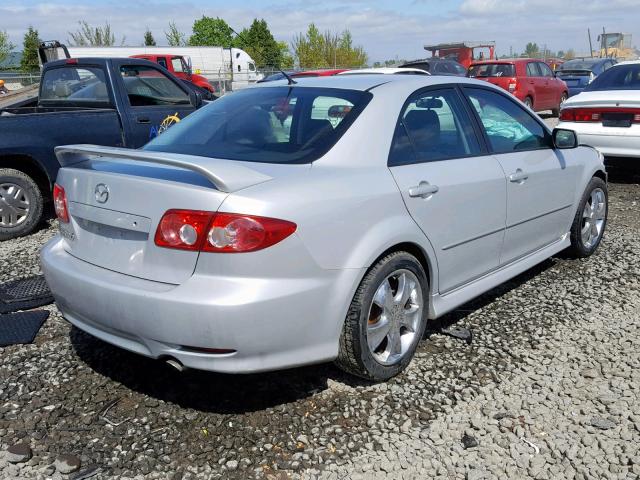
(74, 85)
(270, 125)
(148, 86)
(437, 127)
(545, 70)
(176, 63)
(252, 67)
(508, 126)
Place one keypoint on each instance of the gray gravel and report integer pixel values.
(549, 388)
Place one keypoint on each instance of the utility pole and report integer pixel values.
(604, 41)
(590, 46)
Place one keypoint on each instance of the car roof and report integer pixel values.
(507, 61)
(366, 82)
(627, 62)
(382, 70)
(428, 60)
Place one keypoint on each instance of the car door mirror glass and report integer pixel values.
(195, 98)
(564, 139)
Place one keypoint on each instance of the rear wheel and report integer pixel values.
(556, 111)
(528, 101)
(386, 320)
(21, 204)
(590, 220)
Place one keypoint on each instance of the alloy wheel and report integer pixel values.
(394, 317)
(14, 205)
(593, 218)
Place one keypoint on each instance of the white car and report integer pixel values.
(606, 115)
(329, 219)
(386, 71)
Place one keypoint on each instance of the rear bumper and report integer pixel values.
(610, 141)
(271, 323)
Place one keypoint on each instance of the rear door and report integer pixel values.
(541, 181)
(536, 85)
(551, 86)
(153, 101)
(452, 188)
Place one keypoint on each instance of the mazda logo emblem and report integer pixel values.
(102, 193)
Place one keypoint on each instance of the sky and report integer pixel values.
(386, 29)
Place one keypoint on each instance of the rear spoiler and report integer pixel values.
(227, 176)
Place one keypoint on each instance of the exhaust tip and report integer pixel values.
(176, 364)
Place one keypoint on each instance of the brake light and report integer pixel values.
(72, 61)
(233, 233)
(220, 232)
(595, 114)
(513, 84)
(60, 203)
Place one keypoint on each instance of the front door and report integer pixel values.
(540, 183)
(155, 102)
(452, 188)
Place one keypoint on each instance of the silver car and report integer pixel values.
(329, 219)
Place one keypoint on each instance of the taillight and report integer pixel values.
(513, 84)
(220, 232)
(60, 203)
(595, 114)
(183, 229)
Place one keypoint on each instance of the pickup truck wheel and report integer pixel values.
(20, 204)
(386, 320)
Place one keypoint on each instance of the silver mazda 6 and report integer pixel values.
(325, 219)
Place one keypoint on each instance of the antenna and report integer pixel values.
(288, 77)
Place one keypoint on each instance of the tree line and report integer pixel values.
(311, 49)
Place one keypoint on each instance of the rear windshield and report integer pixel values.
(577, 65)
(621, 77)
(271, 125)
(492, 70)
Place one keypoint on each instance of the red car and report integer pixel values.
(177, 65)
(532, 81)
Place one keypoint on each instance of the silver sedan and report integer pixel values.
(324, 219)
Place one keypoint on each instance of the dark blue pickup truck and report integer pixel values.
(121, 102)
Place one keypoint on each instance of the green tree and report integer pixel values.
(213, 32)
(532, 50)
(88, 36)
(259, 43)
(5, 46)
(175, 37)
(321, 50)
(149, 41)
(560, 53)
(287, 61)
(30, 61)
(570, 55)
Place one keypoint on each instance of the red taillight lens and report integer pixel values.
(513, 84)
(595, 114)
(60, 203)
(220, 232)
(183, 229)
(234, 233)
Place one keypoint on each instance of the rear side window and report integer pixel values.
(508, 126)
(436, 125)
(620, 77)
(492, 70)
(532, 70)
(545, 70)
(148, 86)
(162, 62)
(74, 85)
(271, 125)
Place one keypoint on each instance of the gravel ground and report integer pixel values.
(549, 388)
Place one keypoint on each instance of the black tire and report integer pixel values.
(354, 356)
(31, 193)
(528, 101)
(556, 111)
(578, 249)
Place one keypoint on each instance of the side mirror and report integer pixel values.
(564, 139)
(195, 98)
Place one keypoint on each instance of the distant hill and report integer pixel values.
(12, 61)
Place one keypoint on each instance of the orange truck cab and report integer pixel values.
(464, 52)
(180, 67)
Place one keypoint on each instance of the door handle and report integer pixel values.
(423, 190)
(143, 119)
(518, 177)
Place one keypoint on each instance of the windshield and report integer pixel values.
(620, 77)
(492, 70)
(272, 125)
(577, 65)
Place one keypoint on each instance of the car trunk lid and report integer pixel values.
(116, 198)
